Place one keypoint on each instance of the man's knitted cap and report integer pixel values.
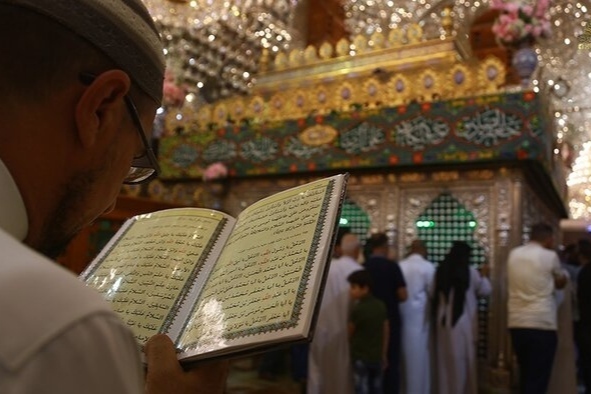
(122, 29)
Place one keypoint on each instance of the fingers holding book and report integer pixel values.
(166, 375)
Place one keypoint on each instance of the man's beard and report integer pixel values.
(67, 219)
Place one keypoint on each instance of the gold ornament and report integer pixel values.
(318, 135)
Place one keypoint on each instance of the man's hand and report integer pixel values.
(560, 280)
(401, 294)
(165, 374)
(485, 270)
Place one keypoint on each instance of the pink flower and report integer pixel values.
(512, 8)
(520, 22)
(215, 171)
(542, 8)
(173, 93)
(528, 10)
(497, 4)
(529, 29)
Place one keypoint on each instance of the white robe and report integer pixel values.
(455, 347)
(56, 334)
(329, 366)
(414, 312)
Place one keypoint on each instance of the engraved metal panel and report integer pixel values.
(535, 211)
(504, 209)
(413, 202)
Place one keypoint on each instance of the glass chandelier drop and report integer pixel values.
(213, 46)
(579, 185)
(369, 16)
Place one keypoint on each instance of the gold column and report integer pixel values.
(516, 240)
(508, 224)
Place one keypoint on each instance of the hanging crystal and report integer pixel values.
(579, 183)
(213, 47)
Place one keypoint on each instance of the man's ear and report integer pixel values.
(101, 105)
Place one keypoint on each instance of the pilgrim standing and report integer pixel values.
(416, 360)
(457, 288)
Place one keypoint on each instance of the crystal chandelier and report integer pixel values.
(579, 184)
(213, 47)
(369, 16)
(565, 73)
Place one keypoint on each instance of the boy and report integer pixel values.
(368, 335)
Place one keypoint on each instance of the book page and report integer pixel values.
(267, 274)
(149, 268)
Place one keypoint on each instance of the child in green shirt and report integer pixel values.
(368, 335)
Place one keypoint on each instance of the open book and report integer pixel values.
(219, 285)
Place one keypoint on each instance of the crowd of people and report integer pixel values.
(576, 259)
(397, 327)
(415, 320)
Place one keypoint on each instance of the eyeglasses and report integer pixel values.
(145, 166)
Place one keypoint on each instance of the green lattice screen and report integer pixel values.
(445, 221)
(356, 219)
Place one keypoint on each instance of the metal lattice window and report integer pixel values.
(355, 218)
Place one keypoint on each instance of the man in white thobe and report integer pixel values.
(418, 273)
(329, 368)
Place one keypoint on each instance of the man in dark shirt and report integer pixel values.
(390, 287)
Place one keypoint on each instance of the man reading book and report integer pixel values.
(80, 82)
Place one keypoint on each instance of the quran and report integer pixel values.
(224, 286)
